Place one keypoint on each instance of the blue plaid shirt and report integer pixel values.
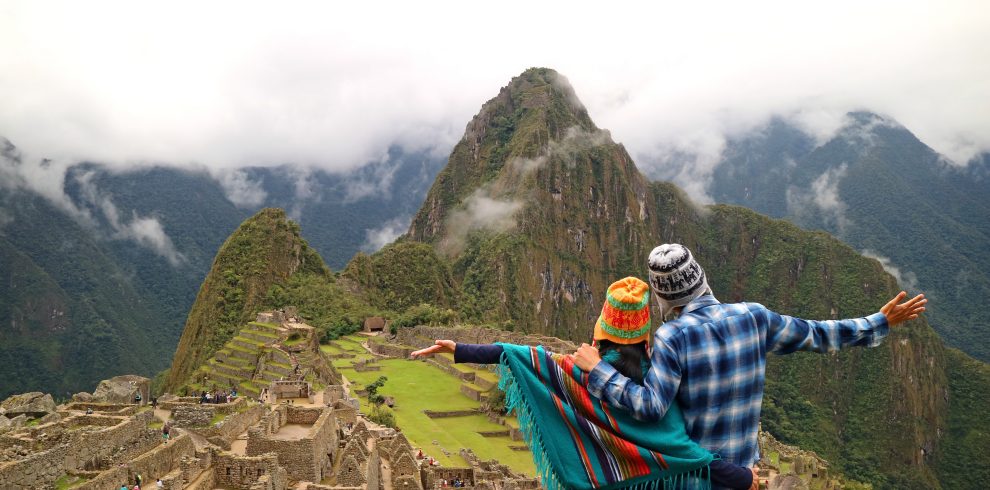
(712, 360)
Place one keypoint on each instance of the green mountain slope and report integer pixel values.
(265, 251)
(69, 315)
(89, 256)
(538, 210)
(877, 187)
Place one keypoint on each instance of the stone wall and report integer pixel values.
(345, 414)
(432, 476)
(435, 414)
(151, 465)
(307, 458)
(185, 414)
(37, 470)
(245, 472)
(303, 415)
(225, 431)
(390, 350)
(87, 442)
(120, 409)
(351, 473)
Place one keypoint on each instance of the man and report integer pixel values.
(712, 357)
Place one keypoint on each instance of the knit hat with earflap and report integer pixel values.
(675, 277)
(625, 317)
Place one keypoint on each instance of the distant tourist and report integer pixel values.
(137, 398)
(159, 484)
(165, 431)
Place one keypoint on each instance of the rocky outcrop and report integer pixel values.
(121, 389)
(34, 405)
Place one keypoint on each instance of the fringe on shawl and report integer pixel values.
(699, 479)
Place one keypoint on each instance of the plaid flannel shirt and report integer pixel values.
(712, 360)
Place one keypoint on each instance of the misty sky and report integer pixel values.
(228, 84)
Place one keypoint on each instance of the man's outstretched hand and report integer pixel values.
(908, 310)
(439, 347)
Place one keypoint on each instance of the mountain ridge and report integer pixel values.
(886, 193)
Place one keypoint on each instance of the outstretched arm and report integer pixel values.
(786, 334)
(474, 353)
(438, 347)
(649, 401)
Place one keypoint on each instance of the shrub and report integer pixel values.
(382, 416)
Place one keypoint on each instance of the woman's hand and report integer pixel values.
(440, 347)
(586, 357)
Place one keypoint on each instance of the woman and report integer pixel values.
(594, 445)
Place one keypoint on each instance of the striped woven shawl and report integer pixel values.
(579, 442)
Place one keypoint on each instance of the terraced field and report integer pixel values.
(238, 364)
(418, 386)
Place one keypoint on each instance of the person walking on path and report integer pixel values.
(711, 359)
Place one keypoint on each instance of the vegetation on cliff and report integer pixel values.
(266, 250)
(877, 187)
(70, 314)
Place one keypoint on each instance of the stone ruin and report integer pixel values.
(793, 468)
(106, 438)
(287, 314)
(304, 439)
(282, 389)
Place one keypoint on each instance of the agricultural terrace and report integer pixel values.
(418, 386)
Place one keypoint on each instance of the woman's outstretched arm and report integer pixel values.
(473, 353)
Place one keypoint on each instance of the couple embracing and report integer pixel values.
(682, 412)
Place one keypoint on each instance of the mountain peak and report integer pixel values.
(534, 120)
(265, 250)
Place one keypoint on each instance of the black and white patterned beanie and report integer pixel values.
(675, 277)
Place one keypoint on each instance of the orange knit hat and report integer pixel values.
(625, 317)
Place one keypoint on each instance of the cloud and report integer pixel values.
(239, 188)
(333, 86)
(19, 172)
(373, 180)
(479, 211)
(145, 231)
(6, 218)
(906, 279)
(822, 199)
(376, 238)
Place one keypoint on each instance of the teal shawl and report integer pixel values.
(579, 442)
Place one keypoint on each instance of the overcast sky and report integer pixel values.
(228, 84)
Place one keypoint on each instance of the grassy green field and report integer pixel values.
(418, 386)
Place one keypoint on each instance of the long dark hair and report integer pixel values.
(632, 358)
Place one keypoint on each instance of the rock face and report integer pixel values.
(34, 405)
(82, 397)
(121, 389)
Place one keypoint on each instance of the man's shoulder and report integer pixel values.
(706, 317)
